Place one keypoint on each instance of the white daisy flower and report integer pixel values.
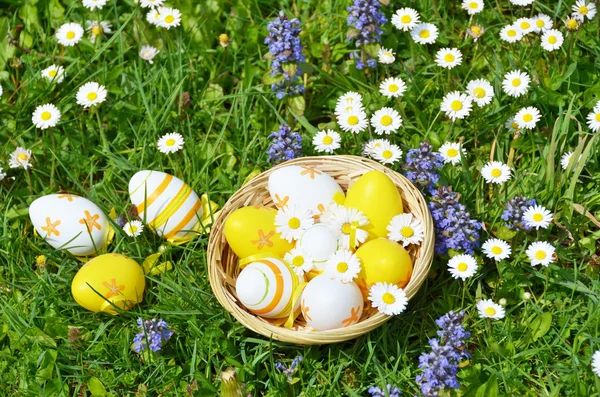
(2, 173)
(151, 3)
(91, 94)
(450, 152)
(480, 91)
(153, 16)
(386, 56)
(511, 125)
(98, 28)
(93, 4)
(522, 3)
(511, 34)
(582, 9)
(387, 153)
(300, 260)
(133, 228)
(1, 90)
(572, 23)
(540, 253)
(462, 266)
(69, 34)
(566, 158)
(542, 22)
(371, 147)
(448, 57)
(292, 221)
(472, 6)
(341, 220)
(343, 108)
(527, 25)
(537, 216)
(593, 119)
(386, 120)
(552, 39)
(496, 172)
(45, 116)
(170, 143)
(169, 17)
(496, 249)
(354, 121)
(476, 31)
(392, 87)
(488, 309)
(54, 73)
(516, 83)
(456, 105)
(20, 158)
(405, 19)
(148, 52)
(388, 298)
(343, 265)
(407, 229)
(528, 117)
(327, 141)
(424, 33)
(596, 362)
(350, 98)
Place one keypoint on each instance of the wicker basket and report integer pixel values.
(223, 263)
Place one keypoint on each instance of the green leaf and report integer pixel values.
(96, 387)
(46, 365)
(505, 233)
(296, 104)
(268, 79)
(541, 325)
(489, 389)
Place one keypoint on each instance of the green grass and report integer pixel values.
(542, 348)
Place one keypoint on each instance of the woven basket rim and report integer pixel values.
(219, 280)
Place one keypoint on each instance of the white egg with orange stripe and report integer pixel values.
(267, 287)
(166, 204)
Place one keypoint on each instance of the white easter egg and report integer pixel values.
(166, 204)
(327, 303)
(266, 288)
(319, 242)
(70, 222)
(303, 187)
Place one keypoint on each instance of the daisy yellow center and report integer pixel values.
(456, 105)
(92, 96)
(97, 30)
(46, 116)
(452, 152)
(298, 260)
(388, 298)
(448, 57)
(479, 92)
(516, 82)
(70, 35)
(352, 120)
(52, 73)
(496, 172)
(388, 54)
(527, 118)
(387, 154)
(552, 39)
(327, 140)
(342, 267)
(541, 255)
(539, 23)
(170, 142)
(23, 157)
(346, 228)
(133, 228)
(572, 24)
(511, 33)
(393, 88)
(525, 25)
(407, 231)
(538, 217)
(424, 34)
(490, 311)
(169, 19)
(496, 250)
(473, 4)
(406, 19)
(476, 30)
(598, 116)
(514, 125)
(583, 10)
(294, 223)
(462, 267)
(386, 120)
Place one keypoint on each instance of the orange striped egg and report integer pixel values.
(266, 288)
(166, 204)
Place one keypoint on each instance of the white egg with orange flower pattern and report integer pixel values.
(70, 222)
(304, 187)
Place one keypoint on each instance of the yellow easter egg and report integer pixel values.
(383, 260)
(106, 279)
(251, 230)
(378, 198)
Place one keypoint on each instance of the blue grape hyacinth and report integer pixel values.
(153, 333)
(286, 145)
(422, 165)
(289, 372)
(366, 19)
(513, 214)
(392, 391)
